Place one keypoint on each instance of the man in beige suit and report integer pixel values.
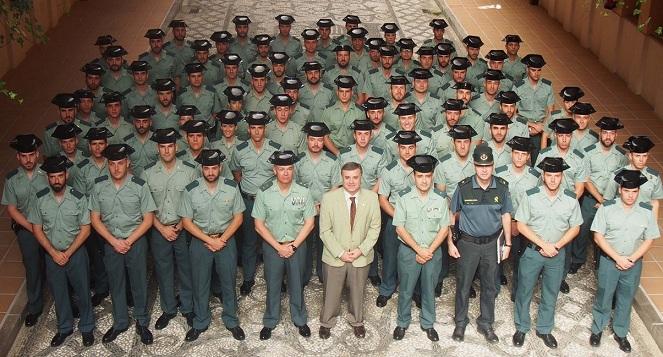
(349, 228)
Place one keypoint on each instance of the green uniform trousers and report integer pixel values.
(533, 264)
(169, 256)
(409, 272)
(33, 262)
(293, 267)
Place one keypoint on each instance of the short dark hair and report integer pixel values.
(351, 166)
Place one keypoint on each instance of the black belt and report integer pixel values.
(248, 196)
(478, 240)
(533, 246)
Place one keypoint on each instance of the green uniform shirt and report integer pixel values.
(577, 171)
(99, 107)
(331, 73)
(482, 106)
(121, 209)
(300, 115)
(245, 49)
(625, 230)
(450, 171)
(500, 156)
(290, 138)
(424, 147)
(518, 127)
(255, 166)
(404, 68)
(379, 136)
(316, 175)
(372, 164)
(601, 164)
(20, 190)
(164, 66)
(534, 102)
(549, 218)
(473, 118)
(339, 122)
(86, 172)
(227, 148)
(295, 64)
(430, 110)
(134, 97)
(221, 86)
(478, 68)
(375, 83)
(292, 46)
(206, 101)
(60, 221)
(167, 188)
(254, 102)
(121, 84)
(121, 131)
(183, 54)
(52, 145)
(516, 69)
(395, 178)
(212, 212)
(518, 183)
(167, 119)
(650, 190)
(211, 75)
(145, 154)
(422, 218)
(318, 100)
(284, 215)
(441, 141)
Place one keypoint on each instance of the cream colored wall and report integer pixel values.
(620, 47)
(47, 14)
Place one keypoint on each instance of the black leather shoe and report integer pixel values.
(193, 334)
(438, 290)
(304, 330)
(431, 334)
(381, 301)
(417, 300)
(489, 334)
(503, 280)
(324, 332)
(595, 339)
(98, 298)
(189, 318)
(624, 345)
(59, 338)
(246, 287)
(265, 333)
(284, 288)
(163, 321)
(399, 333)
(360, 331)
(375, 280)
(88, 338)
(548, 339)
(237, 333)
(145, 334)
(112, 334)
(473, 293)
(459, 334)
(31, 319)
(564, 287)
(518, 339)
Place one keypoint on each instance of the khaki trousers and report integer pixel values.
(334, 280)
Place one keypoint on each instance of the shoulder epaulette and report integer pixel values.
(501, 169)
(167, 44)
(344, 150)
(437, 72)
(374, 70)
(81, 122)
(329, 68)
(209, 88)
(570, 194)
(328, 86)
(620, 149)
(609, 202)
(150, 165)
(301, 156)
(230, 182)
(440, 193)
(101, 179)
(501, 181)
(476, 112)
(425, 133)
(590, 148)
(356, 69)
(532, 191)
(304, 106)
(546, 81)
(445, 86)
(192, 185)
(579, 153)
(106, 90)
(521, 119)
(646, 205)
(465, 181)
(543, 151)
(434, 95)
(274, 144)
(298, 56)
(243, 145)
(482, 60)
(180, 153)
(390, 135)
(377, 149)
(99, 122)
(404, 191)
(182, 90)
(480, 75)
(137, 180)
(143, 54)
(51, 125)
(75, 193)
(43, 192)
(128, 137)
(534, 172)
(11, 173)
(445, 157)
(392, 165)
(555, 112)
(508, 76)
(437, 128)
(475, 97)
(518, 82)
(593, 133)
(186, 163)
(330, 155)
(82, 163)
(322, 54)
(125, 92)
(267, 184)
(651, 171)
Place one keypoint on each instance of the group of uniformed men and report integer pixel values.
(196, 156)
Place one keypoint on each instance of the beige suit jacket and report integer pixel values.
(335, 230)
